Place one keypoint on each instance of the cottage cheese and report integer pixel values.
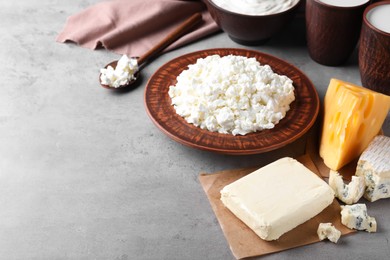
(231, 94)
(122, 74)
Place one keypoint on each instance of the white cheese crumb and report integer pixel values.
(122, 74)
(231, 95)
(327, 230)
(356, 217)
(348, 193)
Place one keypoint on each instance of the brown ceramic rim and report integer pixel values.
(299, 119)
(248, 15)
(369, 8)
(340, 7)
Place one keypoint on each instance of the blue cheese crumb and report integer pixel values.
(356, 217)
(348, 193)
(328, 231)
(374, 166)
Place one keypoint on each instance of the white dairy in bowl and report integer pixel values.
(231, 95)
(256, 7)
(379, 17)
(344, 3)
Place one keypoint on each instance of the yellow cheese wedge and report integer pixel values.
(353, 116)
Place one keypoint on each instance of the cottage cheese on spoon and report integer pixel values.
(122, 74)
(231, 95)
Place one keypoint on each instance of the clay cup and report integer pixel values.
(332, 32)
(374, 49)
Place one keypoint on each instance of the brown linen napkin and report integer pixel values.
(134, 26)
(242, 240)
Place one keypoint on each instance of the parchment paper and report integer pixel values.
(242, 240)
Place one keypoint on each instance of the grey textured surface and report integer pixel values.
(84, 173)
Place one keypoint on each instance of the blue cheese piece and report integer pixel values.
(356, 217)
(277, 197)
(374, 166)
(347, 193)
(328, 231)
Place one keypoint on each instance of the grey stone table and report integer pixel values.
(84, 173)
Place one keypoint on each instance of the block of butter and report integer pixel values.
(277, 197)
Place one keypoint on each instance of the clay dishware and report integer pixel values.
(332, 32)
(250, 29)
(299, 119)
(374, 49)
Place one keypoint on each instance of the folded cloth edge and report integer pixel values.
(73, 30)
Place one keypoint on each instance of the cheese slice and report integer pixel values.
(328, 231)
(356, 217)
(374, 167)
(277, 197)
(353, 115)
(348, 193)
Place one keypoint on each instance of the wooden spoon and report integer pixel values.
(184, 28)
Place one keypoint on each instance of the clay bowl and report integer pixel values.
(332, 32)
(250, 29)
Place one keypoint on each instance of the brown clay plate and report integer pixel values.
(298, 120)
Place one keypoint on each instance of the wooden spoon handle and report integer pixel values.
(185, 27)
